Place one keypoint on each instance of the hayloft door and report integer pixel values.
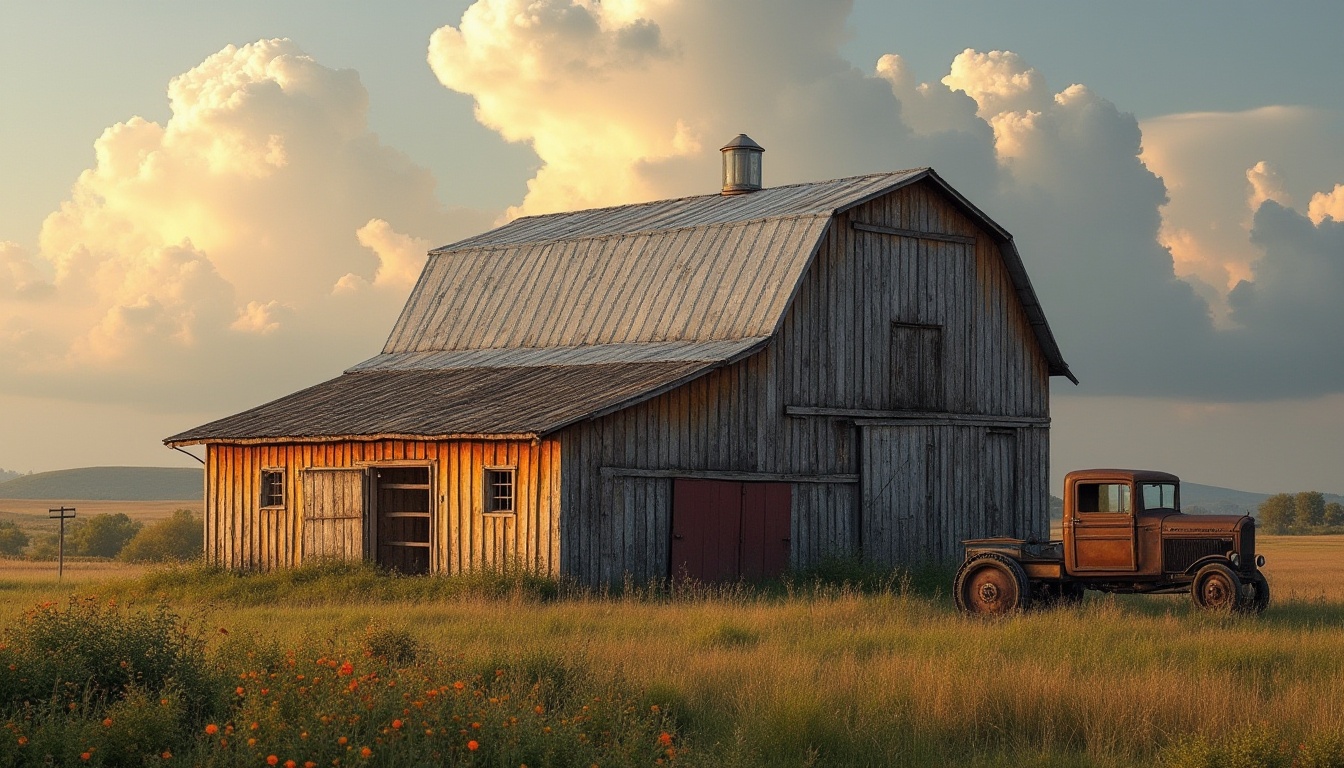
(333, 514)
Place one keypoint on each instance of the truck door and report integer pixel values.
(1103, 528)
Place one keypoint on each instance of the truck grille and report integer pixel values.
(1180, 554)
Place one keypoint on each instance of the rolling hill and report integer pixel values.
(107, 483)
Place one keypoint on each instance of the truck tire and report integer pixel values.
(991, 584)
(1216, 588)
(1258, 599)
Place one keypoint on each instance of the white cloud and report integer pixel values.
(1327, 205)
(194, 254)
(1266, 184)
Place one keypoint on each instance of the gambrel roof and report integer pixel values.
(552, 319)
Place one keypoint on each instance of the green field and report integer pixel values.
(805, 675)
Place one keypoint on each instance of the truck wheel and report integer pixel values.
(991, 584)
(1216, 588)
(1258, 599)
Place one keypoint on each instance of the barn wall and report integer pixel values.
(794, 410)
(240, 534)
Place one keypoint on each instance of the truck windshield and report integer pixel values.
(1159, 496)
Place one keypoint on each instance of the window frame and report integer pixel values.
(490, 501)
(272, 489)
(1125, 495)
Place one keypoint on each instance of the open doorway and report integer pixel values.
(403, 507)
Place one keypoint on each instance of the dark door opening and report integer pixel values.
(402, 501)
(724, 530)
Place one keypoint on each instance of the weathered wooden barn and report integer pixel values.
(722, 386)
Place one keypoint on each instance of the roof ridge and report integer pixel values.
(458, 245)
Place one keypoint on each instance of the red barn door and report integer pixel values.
(724, 530)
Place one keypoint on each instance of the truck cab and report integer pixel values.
(1123, 531)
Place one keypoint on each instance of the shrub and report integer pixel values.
(87, 655)
(179, 537)
(12, 538)
(102, 535)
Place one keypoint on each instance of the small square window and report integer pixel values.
(272, 488)
(499, 491)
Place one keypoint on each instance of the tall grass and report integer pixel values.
(836, 669)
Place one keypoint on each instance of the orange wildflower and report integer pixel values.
(272, 760)
(167, 755)
(346, 669)
(342, 741)
(239, 690)
(85, 755)
(473, 745)
(23, 740)
(665, 739)
(291, 764)
(459, 685)
(396, 725)
(107, 722)
(211, 729)
(365, 752)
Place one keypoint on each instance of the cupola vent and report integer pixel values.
(741, 165)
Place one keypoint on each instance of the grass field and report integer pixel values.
(824, 675)
(31, 514)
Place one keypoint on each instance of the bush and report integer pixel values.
(180, 537)
(12, 538)
(102, 535)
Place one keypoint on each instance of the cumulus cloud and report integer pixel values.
(1327, 205)
(203, 250)
(1136, 283)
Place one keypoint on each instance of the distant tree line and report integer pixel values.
(1305, 512)
(179, 537)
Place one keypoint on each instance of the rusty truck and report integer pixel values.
(1123, 532)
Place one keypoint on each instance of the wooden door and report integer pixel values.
(405, 519)
(333, 514)
(898, 493)
(998, 483)
(725, 530)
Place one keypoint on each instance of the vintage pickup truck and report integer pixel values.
(1123, 532)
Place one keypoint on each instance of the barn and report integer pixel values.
(722, 386)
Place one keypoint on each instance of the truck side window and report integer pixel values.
(1159, 496)
(1103, 497)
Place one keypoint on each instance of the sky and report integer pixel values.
(205, 206)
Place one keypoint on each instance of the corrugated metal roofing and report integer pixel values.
(656, 352)
(443, 403)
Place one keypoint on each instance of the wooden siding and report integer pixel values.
(833, 353)
(240, 534)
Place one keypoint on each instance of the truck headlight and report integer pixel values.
(1259, 561)
(1235, 558)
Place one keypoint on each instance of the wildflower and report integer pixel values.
(163, 702)
(346, 669)
(654, 709)
(539, 709)
(167, 755)
(272, 760)
(665, 739)
(365, 752)
(473, 745)
(342, 741)
(251, 742)
(239, 690)
(23, 740)
(107, 722)
(459, 685)
(291, 764)
(85, 756)
(211, 729)
(396, 725)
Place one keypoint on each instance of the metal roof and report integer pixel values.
(551, 319)
(520, 403)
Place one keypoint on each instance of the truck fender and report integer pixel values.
(1203, 561)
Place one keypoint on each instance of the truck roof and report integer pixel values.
(1129, 475)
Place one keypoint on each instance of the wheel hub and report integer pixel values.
(989, 593)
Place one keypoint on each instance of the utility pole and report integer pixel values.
(64, 513)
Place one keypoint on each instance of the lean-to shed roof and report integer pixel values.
(613, 299)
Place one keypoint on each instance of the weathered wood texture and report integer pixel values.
(838, 348)
(239, 534)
